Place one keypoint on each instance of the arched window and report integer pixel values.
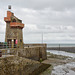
(14, 20)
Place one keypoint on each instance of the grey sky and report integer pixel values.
(55, 18)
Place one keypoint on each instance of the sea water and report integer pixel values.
(60, 45)
(62, 53)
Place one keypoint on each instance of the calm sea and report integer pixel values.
(60, 45)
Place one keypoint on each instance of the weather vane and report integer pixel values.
(9, 7)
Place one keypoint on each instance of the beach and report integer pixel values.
(63, 63)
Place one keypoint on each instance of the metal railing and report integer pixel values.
(5, 48)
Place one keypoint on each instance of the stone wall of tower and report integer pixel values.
(14, 33)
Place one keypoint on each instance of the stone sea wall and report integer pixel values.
(14, 65)
(36, 52)
(32, 45)
(68, 49)
(17, 61)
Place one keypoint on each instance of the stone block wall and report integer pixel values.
(35, 45)
(14, 65)
(34, 53)
(31, 52)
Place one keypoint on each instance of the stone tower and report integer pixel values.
(14, 26)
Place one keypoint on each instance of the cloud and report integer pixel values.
(41, 4)
(54, 18)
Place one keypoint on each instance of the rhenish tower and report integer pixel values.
(14, 26)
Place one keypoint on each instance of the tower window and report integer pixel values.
(14, 20)
(20, 40)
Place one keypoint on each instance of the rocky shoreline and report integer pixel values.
(15, 65)
(62, 65)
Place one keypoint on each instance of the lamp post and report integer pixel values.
(59, 47)
(42, 37)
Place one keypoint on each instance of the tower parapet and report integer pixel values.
(14, 21)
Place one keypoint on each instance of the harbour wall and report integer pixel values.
(68, 49)
(30, 51)
(15, 65)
